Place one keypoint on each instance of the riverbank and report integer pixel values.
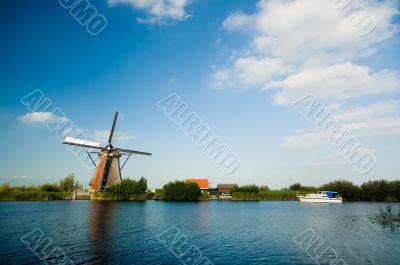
(33, 196)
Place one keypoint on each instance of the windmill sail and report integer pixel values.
(78, 142)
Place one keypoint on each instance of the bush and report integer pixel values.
(247, 188)
(381, 190)
(204, 196)
(347, 189)
(299, 187)
(159, 194)
(50, 187)
(181, 191)
(67, 183)
(127, 189)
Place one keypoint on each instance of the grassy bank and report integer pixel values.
(126, 190)
(33, 195)
(114, 197)
(44, 192)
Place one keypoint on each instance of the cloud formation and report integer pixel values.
(376, 119)
(159, 11)
(40, 117)
(309, 43)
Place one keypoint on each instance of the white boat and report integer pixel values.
(321, 197)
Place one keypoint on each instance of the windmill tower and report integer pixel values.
(108, 169)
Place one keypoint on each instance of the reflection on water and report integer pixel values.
(106, 232)
(101, 225)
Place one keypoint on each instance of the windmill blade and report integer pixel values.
(113, 127)
(133, 152)
(78, 142)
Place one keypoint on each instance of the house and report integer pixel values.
(203, 183)
(225, 190)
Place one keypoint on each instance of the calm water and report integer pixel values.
(225, 232)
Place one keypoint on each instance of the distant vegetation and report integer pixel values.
(181, 191)
(53, 191)
(127, 189)
(262, 193)
(158, 194)
(247, 189)
(299, 187)
(270, 195)
(374, 191)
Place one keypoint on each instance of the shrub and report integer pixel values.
(247, 188)
(347, 189)
(127, 189)
(50, 187)
(181, 191)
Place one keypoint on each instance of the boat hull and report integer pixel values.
(320, 200)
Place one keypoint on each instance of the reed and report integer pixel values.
(271, 195)
(388, 216)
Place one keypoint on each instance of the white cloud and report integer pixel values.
(336, 82)
(308, 140)
(302, 47)
(372, 111)
(380, 126)
(222, 78)
(40, 117)
(16, 177)
(304, 29)
(377, 119)
(237, 20)
(254, 72)
(102, 136)
(160, 11)
(332, 159)
(291, 37)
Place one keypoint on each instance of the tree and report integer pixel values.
(67, 183)
(128, 189)
(142, 186)
(381, 190)
(50, 187)
(78, 186)
(246, 188)
(347, 189)
(181, 191)
(296, 187)
(264, 188)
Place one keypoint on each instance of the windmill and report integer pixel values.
(108, 169)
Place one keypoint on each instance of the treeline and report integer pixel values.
(48, 191)
(249, 188)
(127, 189)
(373, 191)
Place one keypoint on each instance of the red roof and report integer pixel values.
(203, 183)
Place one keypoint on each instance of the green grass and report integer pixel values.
(110, 196)
(33, 195)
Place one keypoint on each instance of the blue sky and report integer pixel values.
(237, 64)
